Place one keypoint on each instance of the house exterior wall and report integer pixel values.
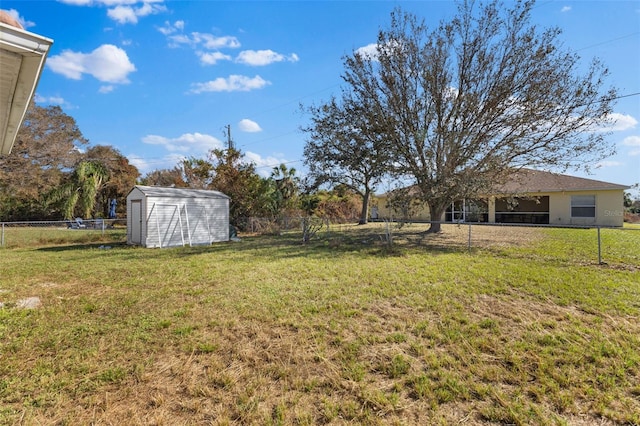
(177, 221)
(608, 209)
(417, 212)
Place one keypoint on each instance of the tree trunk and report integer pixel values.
(364, 215)
(435, 210)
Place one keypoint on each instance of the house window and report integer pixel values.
(583, 206)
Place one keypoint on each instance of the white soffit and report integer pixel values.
(22, 56)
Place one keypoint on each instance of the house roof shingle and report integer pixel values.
(529, 181)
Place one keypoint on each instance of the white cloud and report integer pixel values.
(149, 9)
(128, 14)
(211, 58)
(210, 41)
(609, 163)
(249, 126)
(106, 89)
(177, 40)
(370, 51)
(264, 165)
(77, 2)
(263, 57)
(52, 100)
(234, 83)
(198, 40)
(565, 9)
(107, 63)
(615, 122)
(188, 143)
(140, 163)
(124, 11)
(631, 141)
(145, 166)
(197, 145)
(108, 3)
(621, 122)
(16, 15)
(195, 39)
(123, 15)
(170, 28)
(634, 143)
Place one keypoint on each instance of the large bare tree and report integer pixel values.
(467, 102)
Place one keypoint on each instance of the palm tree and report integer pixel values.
(83, 187)
(286, 184)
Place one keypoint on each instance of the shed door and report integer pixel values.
(136, 221)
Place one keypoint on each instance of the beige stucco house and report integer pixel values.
(530, 197)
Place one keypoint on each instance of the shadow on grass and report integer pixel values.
(363, 242)
(366, 242)
(85, 246)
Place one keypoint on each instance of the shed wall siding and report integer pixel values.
(167, 221)
(174, 222)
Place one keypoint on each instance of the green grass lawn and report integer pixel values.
(524, 328)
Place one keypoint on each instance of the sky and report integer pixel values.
(163, 80)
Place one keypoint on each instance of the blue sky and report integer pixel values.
(160, 80)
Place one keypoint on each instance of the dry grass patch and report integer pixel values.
(342, 330)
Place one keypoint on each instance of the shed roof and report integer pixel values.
(529, 181)
(158, 191)
(22, 57)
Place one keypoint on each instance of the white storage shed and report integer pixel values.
(170, 217)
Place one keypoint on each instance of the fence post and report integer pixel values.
(599, 248)
(2, 238)
(469, 237)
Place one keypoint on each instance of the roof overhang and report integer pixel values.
(22, 57)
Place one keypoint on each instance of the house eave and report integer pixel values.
(22, 58)
(561, 190)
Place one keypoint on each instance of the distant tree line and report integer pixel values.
(631, 205)
(53, 174)
(282, 194)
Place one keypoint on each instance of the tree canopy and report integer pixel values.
(81, 188)
(50, 160)
(47, 148)
(122, 177)
(346, 146)
(462, 105)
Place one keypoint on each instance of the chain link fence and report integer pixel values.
(595, 245)
(31, 233)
